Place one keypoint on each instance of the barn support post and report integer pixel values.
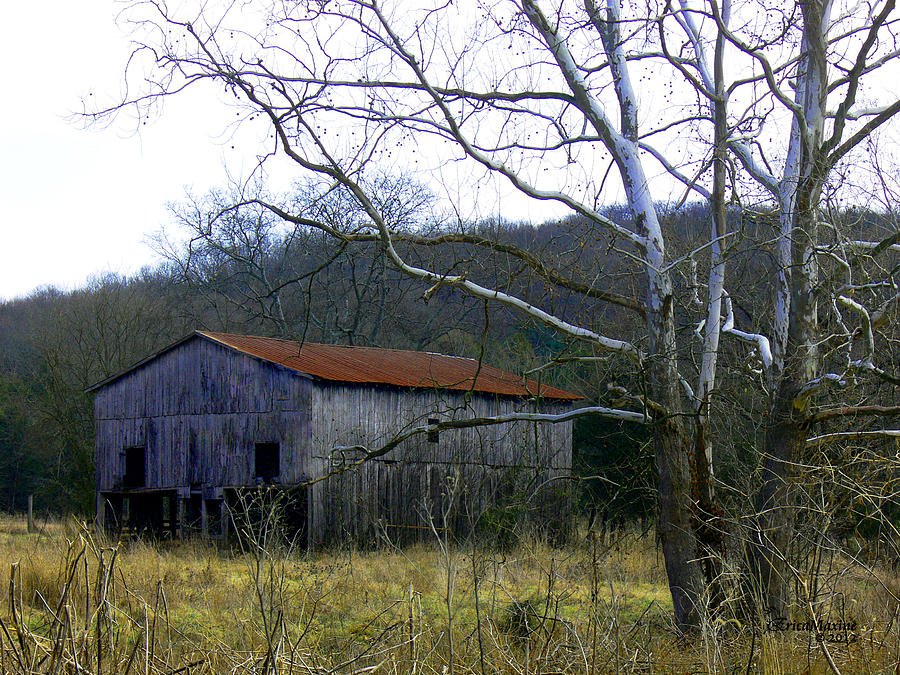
(180, 512)
(174, 520)
(204, 521)
(30, 513)
(100, 519)
(224, 519)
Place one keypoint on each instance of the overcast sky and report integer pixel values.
(74, 203)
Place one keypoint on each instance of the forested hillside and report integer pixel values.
(256, 275)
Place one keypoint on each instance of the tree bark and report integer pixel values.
(707, 516)
(679, 541)
(774, 506)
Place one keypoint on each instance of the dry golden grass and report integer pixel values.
(75, 598)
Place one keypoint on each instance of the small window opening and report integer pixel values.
(433, 435)
(267, 464)
(135, 475)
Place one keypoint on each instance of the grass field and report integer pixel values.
(80, 604)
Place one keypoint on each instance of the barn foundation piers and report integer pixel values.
(212, 514)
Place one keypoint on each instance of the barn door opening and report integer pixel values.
(270, 515)
(296, 511)
(193, 514)
(215, 519)
(114, 518)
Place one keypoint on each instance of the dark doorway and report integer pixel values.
(214, 518)
(114, 516)
(267, 462)
(193, 514)
(135, 475)
(147, 514)
(296, 511)
(270, 515)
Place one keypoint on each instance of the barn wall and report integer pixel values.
(198, 409)
(458, 478)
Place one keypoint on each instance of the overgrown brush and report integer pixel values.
(77, 603)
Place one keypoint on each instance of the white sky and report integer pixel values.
(75, 203)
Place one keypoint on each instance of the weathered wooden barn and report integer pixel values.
(183, 434)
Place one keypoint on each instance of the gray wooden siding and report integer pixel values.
(345, 415)
(399, 494)
(399, 502)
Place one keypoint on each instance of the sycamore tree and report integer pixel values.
(579, 105)
(802, 90)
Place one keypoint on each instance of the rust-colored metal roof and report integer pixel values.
(387, 366)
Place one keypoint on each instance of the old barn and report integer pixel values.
(181, 435)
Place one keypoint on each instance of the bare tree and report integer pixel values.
(805, 96)
(291, 280)
(229, 255)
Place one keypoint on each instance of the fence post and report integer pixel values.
(30, 513)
